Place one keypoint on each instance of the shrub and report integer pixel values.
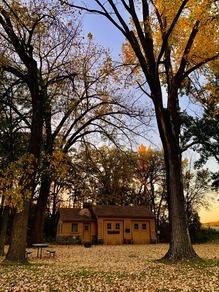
(205, 235)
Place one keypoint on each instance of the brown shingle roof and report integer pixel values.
(106, 211)
(75, 214)
(122, 211)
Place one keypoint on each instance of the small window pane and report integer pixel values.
(109, 226)
(86, 228)
(74, 228)
(136, 226)
(117, 226)
(144, 226)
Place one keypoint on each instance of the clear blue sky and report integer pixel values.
(104, 33)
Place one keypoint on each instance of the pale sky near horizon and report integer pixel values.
(105, 34)
(213, 214)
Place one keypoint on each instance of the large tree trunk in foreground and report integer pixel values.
(17, 247)
(180, 244)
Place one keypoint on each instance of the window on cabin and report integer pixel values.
(74, 228)
(117, 226)
(144, 227)
(109, 226)
(136, 226)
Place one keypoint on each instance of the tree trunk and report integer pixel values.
(30, 76)
(3, 231)
(2, 205)
(180, 243)
(39, 215)
(17, 247)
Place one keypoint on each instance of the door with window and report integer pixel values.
(140, 231)
(87, 233)
(113, 232)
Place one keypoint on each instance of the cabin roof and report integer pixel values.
(104, 211)
(122, 211)
(76, 214)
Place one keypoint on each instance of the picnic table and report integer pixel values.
(40, 247)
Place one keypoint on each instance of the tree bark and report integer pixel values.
(17, 247)
(3, 231)
(180, 244)
(39, 215)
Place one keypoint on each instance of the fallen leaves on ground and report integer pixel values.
(112, 268)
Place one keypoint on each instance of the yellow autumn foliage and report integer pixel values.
(197, 14)
(59, 165)
(16, 181)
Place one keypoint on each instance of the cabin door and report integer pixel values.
(113, 232)
(140, 232)
(87, 233)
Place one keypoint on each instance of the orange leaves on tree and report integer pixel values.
(142, 149)
(144, 158)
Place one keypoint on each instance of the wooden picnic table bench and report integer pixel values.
(51, 252)
(40, 247)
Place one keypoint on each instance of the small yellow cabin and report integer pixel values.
(105, 224)
(76, 225)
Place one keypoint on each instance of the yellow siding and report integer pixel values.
(93, 229)
(100, 229)
(67, 228)
(127, 233)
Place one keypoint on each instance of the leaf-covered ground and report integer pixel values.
(112, 268)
